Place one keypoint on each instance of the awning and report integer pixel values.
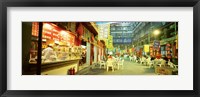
(91, 27)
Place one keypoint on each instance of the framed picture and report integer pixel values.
(63, 48)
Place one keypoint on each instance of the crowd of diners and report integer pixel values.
(144, 59)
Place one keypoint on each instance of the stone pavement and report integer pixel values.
(130, 68)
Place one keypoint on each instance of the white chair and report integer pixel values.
(110, 64)
(163, 62)
(102, 64)
(32, 59)
(142, 60)
(175, 66)
(137, 60)
(117, 59)
(172, 65)
(149, 62)
(121, 63)
(131, 58)
(116, 63)
(156, 61)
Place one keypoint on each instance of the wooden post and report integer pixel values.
(39, 53)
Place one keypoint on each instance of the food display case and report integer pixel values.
(65, 54)
(69, 53)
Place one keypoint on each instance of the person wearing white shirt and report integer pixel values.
(49, 54)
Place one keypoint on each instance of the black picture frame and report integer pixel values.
(100, 3)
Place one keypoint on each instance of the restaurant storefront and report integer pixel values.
(59, 54)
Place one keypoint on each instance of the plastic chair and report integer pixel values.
(131, 58)
(172, 65)
(149, 62)
(102, 64)
(163, 62)
(142, 60)
(121, 63)
(32, 59)
(110, 64)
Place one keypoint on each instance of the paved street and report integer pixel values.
(130, 68)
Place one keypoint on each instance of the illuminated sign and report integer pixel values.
(53, 32)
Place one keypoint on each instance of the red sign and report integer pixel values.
(35, 28)
(53, 32)
(168, 49)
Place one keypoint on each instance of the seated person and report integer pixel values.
(109, 57)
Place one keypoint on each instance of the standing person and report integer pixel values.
(49, 54)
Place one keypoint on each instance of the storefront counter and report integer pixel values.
(56, 67)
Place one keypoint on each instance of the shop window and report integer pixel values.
(59, 40)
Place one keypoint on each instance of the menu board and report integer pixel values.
(53, 32)
(156, 44)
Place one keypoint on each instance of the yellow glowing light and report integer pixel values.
(47, 26)
(63, 33)
(156, 32)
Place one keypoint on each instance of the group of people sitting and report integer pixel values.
(136, 58)
(151, 62)
(114, 57)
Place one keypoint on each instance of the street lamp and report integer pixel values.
(156, 42)
(156, 32)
